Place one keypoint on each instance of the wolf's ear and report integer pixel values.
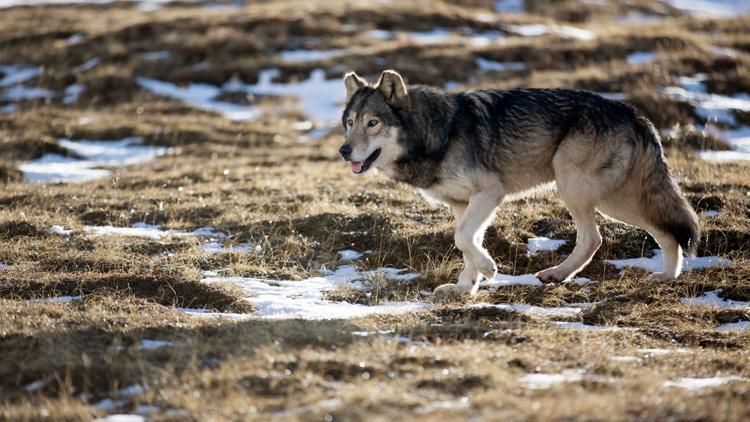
(392, 86)
(353, 83)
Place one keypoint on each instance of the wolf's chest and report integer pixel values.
(448, 191)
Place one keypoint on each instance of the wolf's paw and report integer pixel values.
(552, 275)
(451, 289)
(486, 267)
(660, 276)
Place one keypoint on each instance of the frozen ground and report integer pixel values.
(655, 263)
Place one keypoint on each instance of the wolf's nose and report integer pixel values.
(345, 151)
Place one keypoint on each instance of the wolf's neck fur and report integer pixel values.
(425, 138)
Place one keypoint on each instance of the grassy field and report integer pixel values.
(117, 340)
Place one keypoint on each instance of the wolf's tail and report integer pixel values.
(665, 204)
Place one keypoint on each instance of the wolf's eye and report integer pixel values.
(350, 122)
(372, 123)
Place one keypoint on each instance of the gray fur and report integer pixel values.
(490, 145)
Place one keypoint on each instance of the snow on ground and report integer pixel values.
(532, 310)
(145, 344)
(200, 96)
(121, 418)
(538, 29)
(661, 352)
(542, 244)
(586, 327)
(57, 299)
(700, 383)
(641, 57)
(154, 55)
(734, 326)
(625, 358)
(510, 6)
(543, 381)
(15, 75)
(310, 55)
(349, 255)
(5, 266)
(502, 280)
(712, 299)
(654, 264)
(485, 65)
(151, 231)
(710, 213)
(715, 108)
(218, 247)
(282, 299)
(55, 168)
(712, 8)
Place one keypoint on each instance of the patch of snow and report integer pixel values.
(542, 244)
(543, 381)
(74, 39)
(121, 418)
(14, 75)
(31, 387)
(283, 299)
(485, 65)
(583, 281)
(54, 168)
(8, 108)
(349, 255)
(710, 213)
(147, 344)
(58, 299)
(654, 264)
(310, 55)
(502, 280)
(532, 309)
(154, 55)
(323, 404)
(734, 326)
(641, 57)
(62, 231)
(218, 247)
(109, 404)
(661, 352)
(21, 93)
(538, 29)
(712, 299)
(201, 96)
(72, 92)
(700, 383)
(5, 266)
(625, 358)
(510, 6)
(712, 8)
(582, 326)
(88, 65)
(151, 231)
(462, 403)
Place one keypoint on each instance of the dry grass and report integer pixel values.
(261, 183)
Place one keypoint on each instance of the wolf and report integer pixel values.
(476, 149)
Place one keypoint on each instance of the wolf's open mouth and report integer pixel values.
(362, 166)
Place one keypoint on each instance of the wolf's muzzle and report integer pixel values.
(346, 151)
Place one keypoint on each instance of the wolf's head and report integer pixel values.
(372, 124)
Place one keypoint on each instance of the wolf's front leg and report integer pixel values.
(472, 221)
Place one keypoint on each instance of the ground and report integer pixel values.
(619, 348)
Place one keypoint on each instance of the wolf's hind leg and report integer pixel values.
(624, 207)
(468, 281)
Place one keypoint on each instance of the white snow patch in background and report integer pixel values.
(712, 8)
(147, 344)
(74, 39)
(349, 255)
(532, 309)
(88, 64)
(282, 299)
(655, 263)
(200, 96)
(154, 55)
(543, 381)
(712, 299)
(21, 93)
(218, 247)
(8, 108)
(661, 352)
(700, 383)
(538, 29)
(320, 98)
(72, 92)
(641, 57)
(734, 326)
(710, 213)
(510, 6)
(542, 244)
(625, 358)
(502, 280)
(14, 75)
(310, 55)
(58, 299)
(585, 327)
(62, 231)
(485, 65)
(5, 266)
(151, 231)
(54, 168)
(121, 418)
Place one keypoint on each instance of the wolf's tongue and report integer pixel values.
(357, 166)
